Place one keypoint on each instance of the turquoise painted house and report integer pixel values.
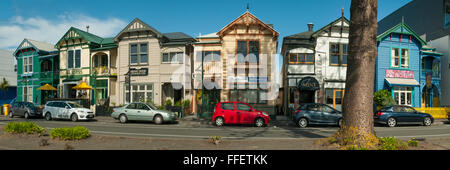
(408, 68)
(37, 65)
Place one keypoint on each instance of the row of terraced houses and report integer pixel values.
(236, 63)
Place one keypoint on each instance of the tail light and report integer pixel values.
(379, 113)
(296, 112)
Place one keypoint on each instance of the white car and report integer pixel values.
(66, 110)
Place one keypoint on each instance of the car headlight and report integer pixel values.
(265, 114)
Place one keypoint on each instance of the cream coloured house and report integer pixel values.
(238, 64)
(85, 57)
(159, 65)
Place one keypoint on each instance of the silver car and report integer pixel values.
(66, 110)
(142, 112)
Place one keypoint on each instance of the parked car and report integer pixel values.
(318, 114)
(142, 112)
(66, 110)
(25, 109)
(238, 113)
(394, 115)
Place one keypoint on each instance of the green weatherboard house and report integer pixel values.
(88, 58)
(37, 65)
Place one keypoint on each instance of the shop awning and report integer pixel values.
(402, 82)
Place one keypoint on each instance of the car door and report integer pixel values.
(229, 113)
(143, 112)
(63, 110)
(18, 109)
(130, 111)
(412, 115)
(400, 114)
(328, 114)
(244, 113)
(314, 114)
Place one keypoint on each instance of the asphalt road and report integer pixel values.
(109, 126)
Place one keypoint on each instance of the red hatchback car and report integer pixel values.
(238, 113)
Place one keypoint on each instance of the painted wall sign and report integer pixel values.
(406, 74)
(139, 72)
(308, 83)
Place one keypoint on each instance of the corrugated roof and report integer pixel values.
(42, 46)
(177, 36)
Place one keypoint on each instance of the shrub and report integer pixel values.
(168, 102)
(391, 143)
(24, 127)
(186, 103)
(74, 133)
(383, 98)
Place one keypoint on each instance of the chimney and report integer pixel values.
(310, 27)
(87, 28)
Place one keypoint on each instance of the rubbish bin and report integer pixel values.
(6, 109)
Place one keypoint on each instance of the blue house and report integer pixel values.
(404, 64)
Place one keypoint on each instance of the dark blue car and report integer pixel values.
(316, 113)
(394, 115)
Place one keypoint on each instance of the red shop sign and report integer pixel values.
(400, 74)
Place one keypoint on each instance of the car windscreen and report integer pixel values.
(75, 105)
(152, 106)
(31, 105)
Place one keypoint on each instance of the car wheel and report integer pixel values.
(158, 119)
(26, 115)
(219, 121)
(391, 122)
(48, 116)
(11, 115)
(259, 122)
(427, 121)
(123, 118)
(74, 117)
(340, 122)
(302, 122)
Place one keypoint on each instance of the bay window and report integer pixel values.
(403, 95)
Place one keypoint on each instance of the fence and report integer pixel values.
(436, 112)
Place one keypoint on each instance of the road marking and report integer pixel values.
(188, 136)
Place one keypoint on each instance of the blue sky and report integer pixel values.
(47, 20)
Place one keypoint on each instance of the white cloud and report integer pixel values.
(41, 29)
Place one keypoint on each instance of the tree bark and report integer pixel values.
(359, 90)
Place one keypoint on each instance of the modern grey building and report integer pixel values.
(8, 71)
(430, 19)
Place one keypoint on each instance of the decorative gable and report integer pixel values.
(401, 28)
(248, 20)
(138, 25)
(72, 35)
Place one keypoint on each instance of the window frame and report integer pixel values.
(138, 53)
(27, 66)
(400, 57)
(170, 58)
(246, 55)
(302, 55)
(340, 54)
(72, 63)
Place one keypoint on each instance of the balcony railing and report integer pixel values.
(105, 71)
(434, 74)
(47, 75)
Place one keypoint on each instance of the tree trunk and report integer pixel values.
(359, 85)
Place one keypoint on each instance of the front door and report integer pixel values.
(338, 98)
(306, 96)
